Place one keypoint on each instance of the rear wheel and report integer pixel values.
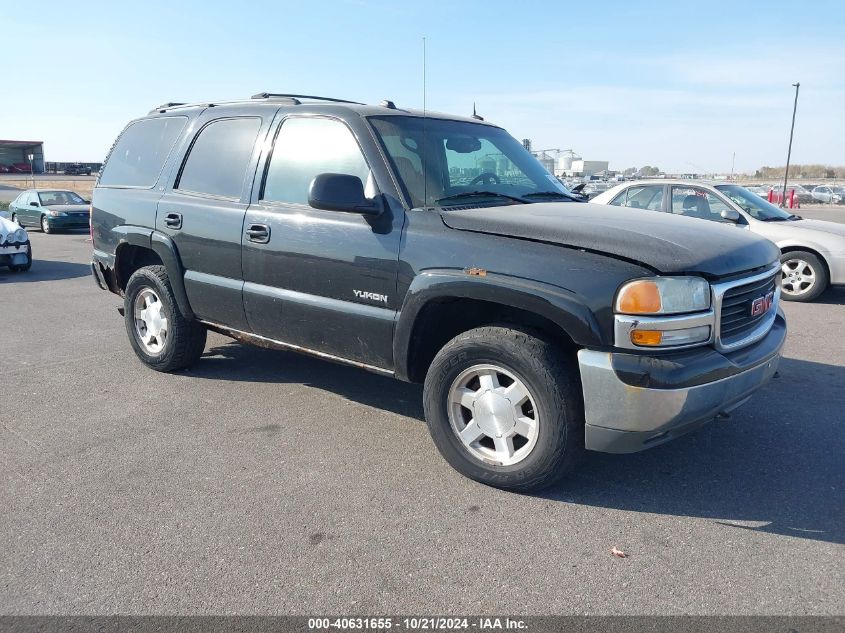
(803, 276)
(504, 407)
(162, 338)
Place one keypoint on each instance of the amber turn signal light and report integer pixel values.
(649, 338)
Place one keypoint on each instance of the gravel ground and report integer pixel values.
(268, 483)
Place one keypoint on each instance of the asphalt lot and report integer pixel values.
(265, 482)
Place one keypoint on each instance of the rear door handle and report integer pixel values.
(173, 220)
(258, 233)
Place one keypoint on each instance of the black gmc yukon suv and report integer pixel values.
(434, 249)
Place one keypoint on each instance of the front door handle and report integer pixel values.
(173, 220)
(258, 233)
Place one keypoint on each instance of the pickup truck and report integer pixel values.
(433, 249)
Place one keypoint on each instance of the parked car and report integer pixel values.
(77, 169)
(15, 250)
(20, 168)
(812, 251)
(802, 195)
(832, 194)
(538, 326)
(758, 191)
(51, 210)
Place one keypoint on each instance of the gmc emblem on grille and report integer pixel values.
(761, 305)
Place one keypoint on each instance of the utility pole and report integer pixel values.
(733, 161)
(789, 151)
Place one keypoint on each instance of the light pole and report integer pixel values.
(30, 157)
(789, 151)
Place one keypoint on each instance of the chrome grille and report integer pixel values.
(736, 325)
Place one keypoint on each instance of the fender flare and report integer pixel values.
(556, 304)
(164, 247)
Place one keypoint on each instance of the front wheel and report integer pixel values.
(803, 276)
(45, 225)
(504, 408)
(162, 338)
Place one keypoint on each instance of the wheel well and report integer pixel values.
(443, 319)
(130, 258)
(805, 249)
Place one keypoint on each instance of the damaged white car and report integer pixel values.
(15, 250)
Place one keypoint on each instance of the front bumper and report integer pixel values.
(633, 402)
(836, 263)
(67, 222)
(14, 255)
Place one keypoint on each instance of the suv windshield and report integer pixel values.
(59, 197)
(753, 204)
(444, 162)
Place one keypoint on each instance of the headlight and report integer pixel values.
(663, 295)
(663, 312)
(55, 214)
(19, 236)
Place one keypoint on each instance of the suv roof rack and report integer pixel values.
(296, 98)
(169, 104)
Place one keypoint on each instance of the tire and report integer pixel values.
(14, 219)
(175, 347)
(45, 226)
(553, 401)
(804, 276)
(22, 268)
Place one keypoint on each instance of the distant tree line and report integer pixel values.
(802, 171)
(648, 170)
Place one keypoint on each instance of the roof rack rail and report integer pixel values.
(169, 104)
(296, 98)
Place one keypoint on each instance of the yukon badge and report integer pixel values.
(372, 296)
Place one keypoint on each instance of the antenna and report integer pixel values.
(425, 144)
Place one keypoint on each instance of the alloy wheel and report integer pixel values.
(151, 324)
(493, 414)
(798, 277)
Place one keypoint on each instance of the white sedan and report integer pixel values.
(812, 251)
(15, 250)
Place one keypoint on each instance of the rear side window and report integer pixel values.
(139, 154)
(217, 161)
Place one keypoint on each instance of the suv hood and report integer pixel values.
(666, 243)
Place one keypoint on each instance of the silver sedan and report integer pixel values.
(813, 251)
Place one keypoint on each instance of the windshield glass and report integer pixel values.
(59, 197)
(753, 204)
(453, 159)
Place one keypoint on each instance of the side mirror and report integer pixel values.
(34, 204)
(341, 192)
(731, 215)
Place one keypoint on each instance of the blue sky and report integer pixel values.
(679, 85)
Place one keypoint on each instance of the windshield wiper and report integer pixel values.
(477, 194)
(546, 194)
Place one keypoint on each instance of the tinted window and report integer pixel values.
(304, 149)
(217, 161)
(139, 154)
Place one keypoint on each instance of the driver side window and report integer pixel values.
(698, 203)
